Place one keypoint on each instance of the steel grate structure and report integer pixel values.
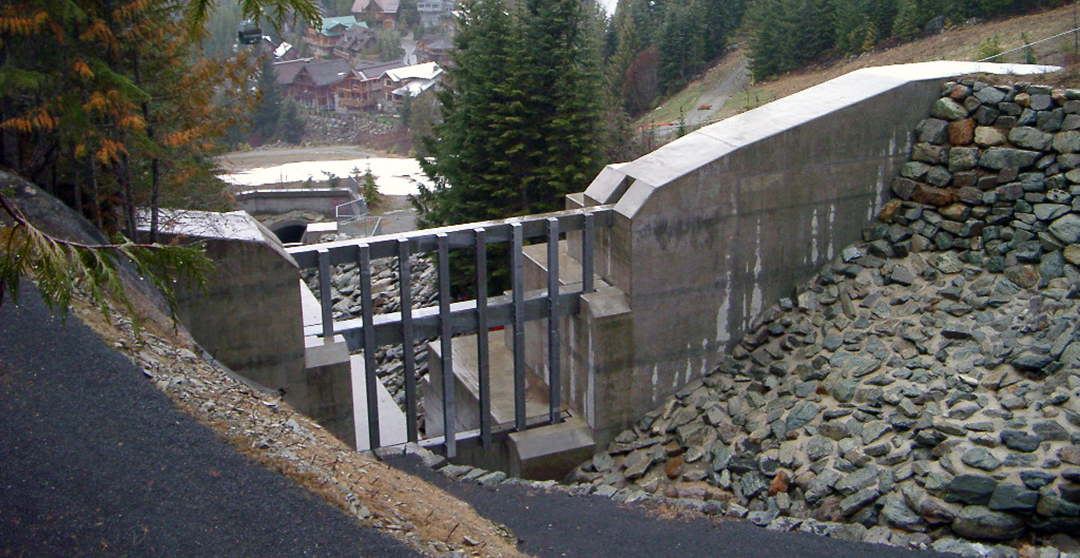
(450, 318)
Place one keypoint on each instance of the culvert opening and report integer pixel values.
(290, 233)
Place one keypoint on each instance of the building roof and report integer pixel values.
(425, 71)
(282, 49)
(386, 6)
(327, 72)
(415, 88)
(374, 70)
(437, 43)
(329, 23)
(355, 37)
(286, 72)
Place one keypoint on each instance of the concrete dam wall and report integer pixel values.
(717, 225)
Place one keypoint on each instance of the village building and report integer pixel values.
(355, 41)
(385, 12)
(363, 88)
(314, 85)
(410, 81)
(434, 12)
(435, 48)
(324, 38)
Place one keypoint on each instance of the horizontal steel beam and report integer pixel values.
(459, 236)
(463, 319)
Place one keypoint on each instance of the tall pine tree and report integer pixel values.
(520, 112)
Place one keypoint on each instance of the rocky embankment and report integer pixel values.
(385, 290)
(925, 385)
(341, 129)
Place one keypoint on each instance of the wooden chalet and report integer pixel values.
(383, 11)
(324, 38)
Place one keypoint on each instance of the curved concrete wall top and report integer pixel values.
(718, 224)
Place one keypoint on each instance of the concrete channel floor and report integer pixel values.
(555, 525)
(96, 461)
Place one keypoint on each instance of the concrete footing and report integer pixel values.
(550, 452)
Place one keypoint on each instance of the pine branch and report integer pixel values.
(63, 267)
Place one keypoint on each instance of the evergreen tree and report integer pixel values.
(906, 25)
(470, 99)
(267, 115)
(408, 14)
(681, 47)
(389, 44)
(290, 125)
(521, 125)
(520, 113)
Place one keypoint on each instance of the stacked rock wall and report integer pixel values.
(926, 384)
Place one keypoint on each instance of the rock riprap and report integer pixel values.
(386, 295)
(928, 379)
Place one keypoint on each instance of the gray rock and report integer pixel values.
(980, 522)
(801, 415)
(753, 484)
(822, 486)
(970, 489)
(1018, 440)
(858, 480)
(1067, 142)
(981, 458)
(1013, 497)
(1051, 431)
(1050, 211)
(998, 158)
(636, 465)
(1030, 138)
(956, 546)
(1036, 479)
(1030, 361)
(1067, 228)
(721, 456)
(818, 447)
(933, 130)
(492, 478)
(948, 109)
(897, 514)
(858, 500)
(1051, 505)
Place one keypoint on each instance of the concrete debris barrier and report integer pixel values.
(924, 387)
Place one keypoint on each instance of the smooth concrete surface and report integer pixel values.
(392, 426)
(714, 227)
(330, 387)
(310, 308)
(249, 319)
(467, 386)
(550, 452)
(281, 200)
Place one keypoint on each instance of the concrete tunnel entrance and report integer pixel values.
(290, 234)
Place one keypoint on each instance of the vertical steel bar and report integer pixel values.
(482, 351)
(587, 253)
(554, 371)
(408, 344)
(446, 344)
(518, 288)
(370, 379)
(326, 297)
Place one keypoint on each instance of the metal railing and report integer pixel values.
(455, 318)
